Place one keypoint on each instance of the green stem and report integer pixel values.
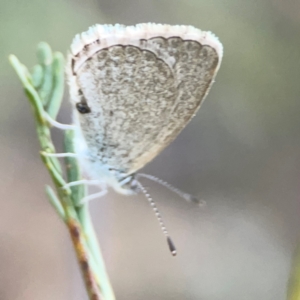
(78, 192)
(44, 89)
(92, 242)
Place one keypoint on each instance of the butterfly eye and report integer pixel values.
(83, 108)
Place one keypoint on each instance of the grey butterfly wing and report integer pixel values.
(140, 98)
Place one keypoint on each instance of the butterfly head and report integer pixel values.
(126, 184)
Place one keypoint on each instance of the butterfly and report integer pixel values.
(133, 89)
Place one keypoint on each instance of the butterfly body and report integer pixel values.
(121, 182)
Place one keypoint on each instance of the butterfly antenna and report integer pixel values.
(186, 196)
(159, 218)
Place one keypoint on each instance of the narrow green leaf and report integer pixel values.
(37, 76)
(58, 85)
(31, 93)
(55, 202)
(72, 168)
(44, 55)
(56, 176)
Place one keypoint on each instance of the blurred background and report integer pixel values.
(241, 154)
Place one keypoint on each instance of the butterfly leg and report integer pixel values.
(125, 180)
(83, 181)
(56, 124)
(90, 197)
(78, 182)
(88, 182)
(66, 154)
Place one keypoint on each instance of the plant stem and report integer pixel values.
(44, 90)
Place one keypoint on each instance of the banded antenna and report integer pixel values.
(159, 218)
(186, 196)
